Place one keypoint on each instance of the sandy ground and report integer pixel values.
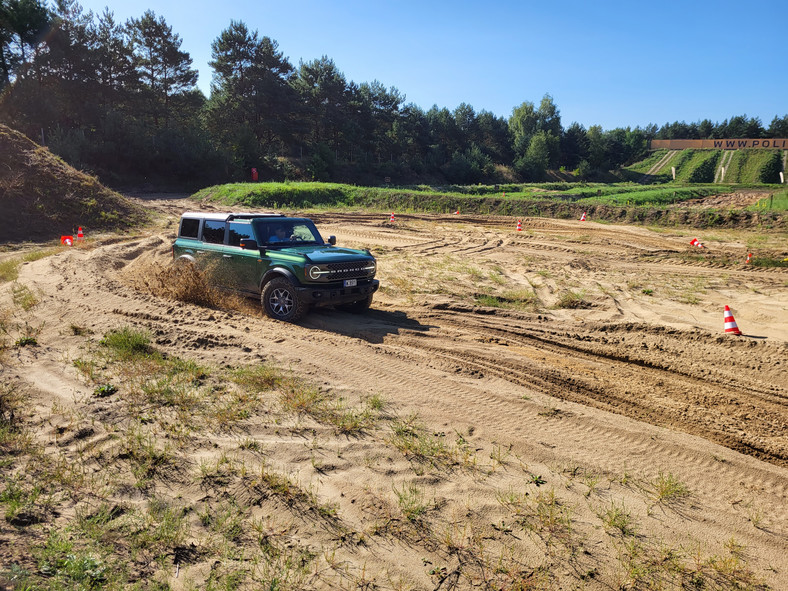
(601, 371)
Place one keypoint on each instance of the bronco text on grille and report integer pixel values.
(355, 269)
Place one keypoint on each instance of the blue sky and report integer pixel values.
(614, 64)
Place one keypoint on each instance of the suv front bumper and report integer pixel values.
(330, 295)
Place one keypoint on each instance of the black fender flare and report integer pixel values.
(278, 272)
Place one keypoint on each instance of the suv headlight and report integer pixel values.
(316, 272)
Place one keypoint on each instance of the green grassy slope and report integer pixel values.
(619, 202)
(700, 166)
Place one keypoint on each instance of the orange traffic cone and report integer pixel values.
(583, 217)
(80, 235)
(519, 226)
(67, 240)
(391, 219)
(729, 324)
(457, 212)
(696, 242)
(749, 257)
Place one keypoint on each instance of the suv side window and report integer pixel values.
(190, 228)
(213, 232)
(239, 230)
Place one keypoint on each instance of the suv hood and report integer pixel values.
(328, 254)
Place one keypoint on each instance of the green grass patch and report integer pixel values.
(776, 202)
(572, 299)
(746, 166)
(414, 441)
(515, 298)
(128, 344)
(23, 297)
(645, 165)
(261, 378)
(9, 269)
(769, 262)
(697, 166)
(667, 488)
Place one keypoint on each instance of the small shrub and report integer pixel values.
(127, 343)
(9, 270)
(105, 390)
(23, 297)
(262, 378)
(619, 518)
(411, 501)
(668, 488)
(573, 300)
(769, 262)
(410, 437)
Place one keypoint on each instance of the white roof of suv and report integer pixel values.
(226, 216)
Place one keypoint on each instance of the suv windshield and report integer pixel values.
(287, 232)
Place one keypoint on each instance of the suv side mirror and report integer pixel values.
(249, 244)
(332, 240)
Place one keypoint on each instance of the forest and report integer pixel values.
(120, 100)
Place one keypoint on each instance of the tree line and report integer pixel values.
(121, 100)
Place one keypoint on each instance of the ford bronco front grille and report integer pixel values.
(350, 270)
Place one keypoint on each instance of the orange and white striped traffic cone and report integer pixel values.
(80, 235)
(749, 257)
(519, 225)
(583, 217)
(729, 324)
(457, 212)
(391, 219)
(696, 242)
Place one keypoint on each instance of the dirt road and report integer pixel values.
(588, 352)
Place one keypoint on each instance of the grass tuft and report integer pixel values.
(667, 488)
(128, 344)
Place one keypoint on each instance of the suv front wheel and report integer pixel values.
(280, 300)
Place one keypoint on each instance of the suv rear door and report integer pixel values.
(209, 255)
(243, 266)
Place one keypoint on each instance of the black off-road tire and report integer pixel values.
(281, 301)
(358, 307)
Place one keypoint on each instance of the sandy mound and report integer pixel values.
(43, 198)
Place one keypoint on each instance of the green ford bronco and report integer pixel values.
(282, 260)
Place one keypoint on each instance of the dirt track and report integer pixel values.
(631, 372)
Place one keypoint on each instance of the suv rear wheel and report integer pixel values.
(280, 300)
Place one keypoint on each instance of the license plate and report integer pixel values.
(350, 282)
